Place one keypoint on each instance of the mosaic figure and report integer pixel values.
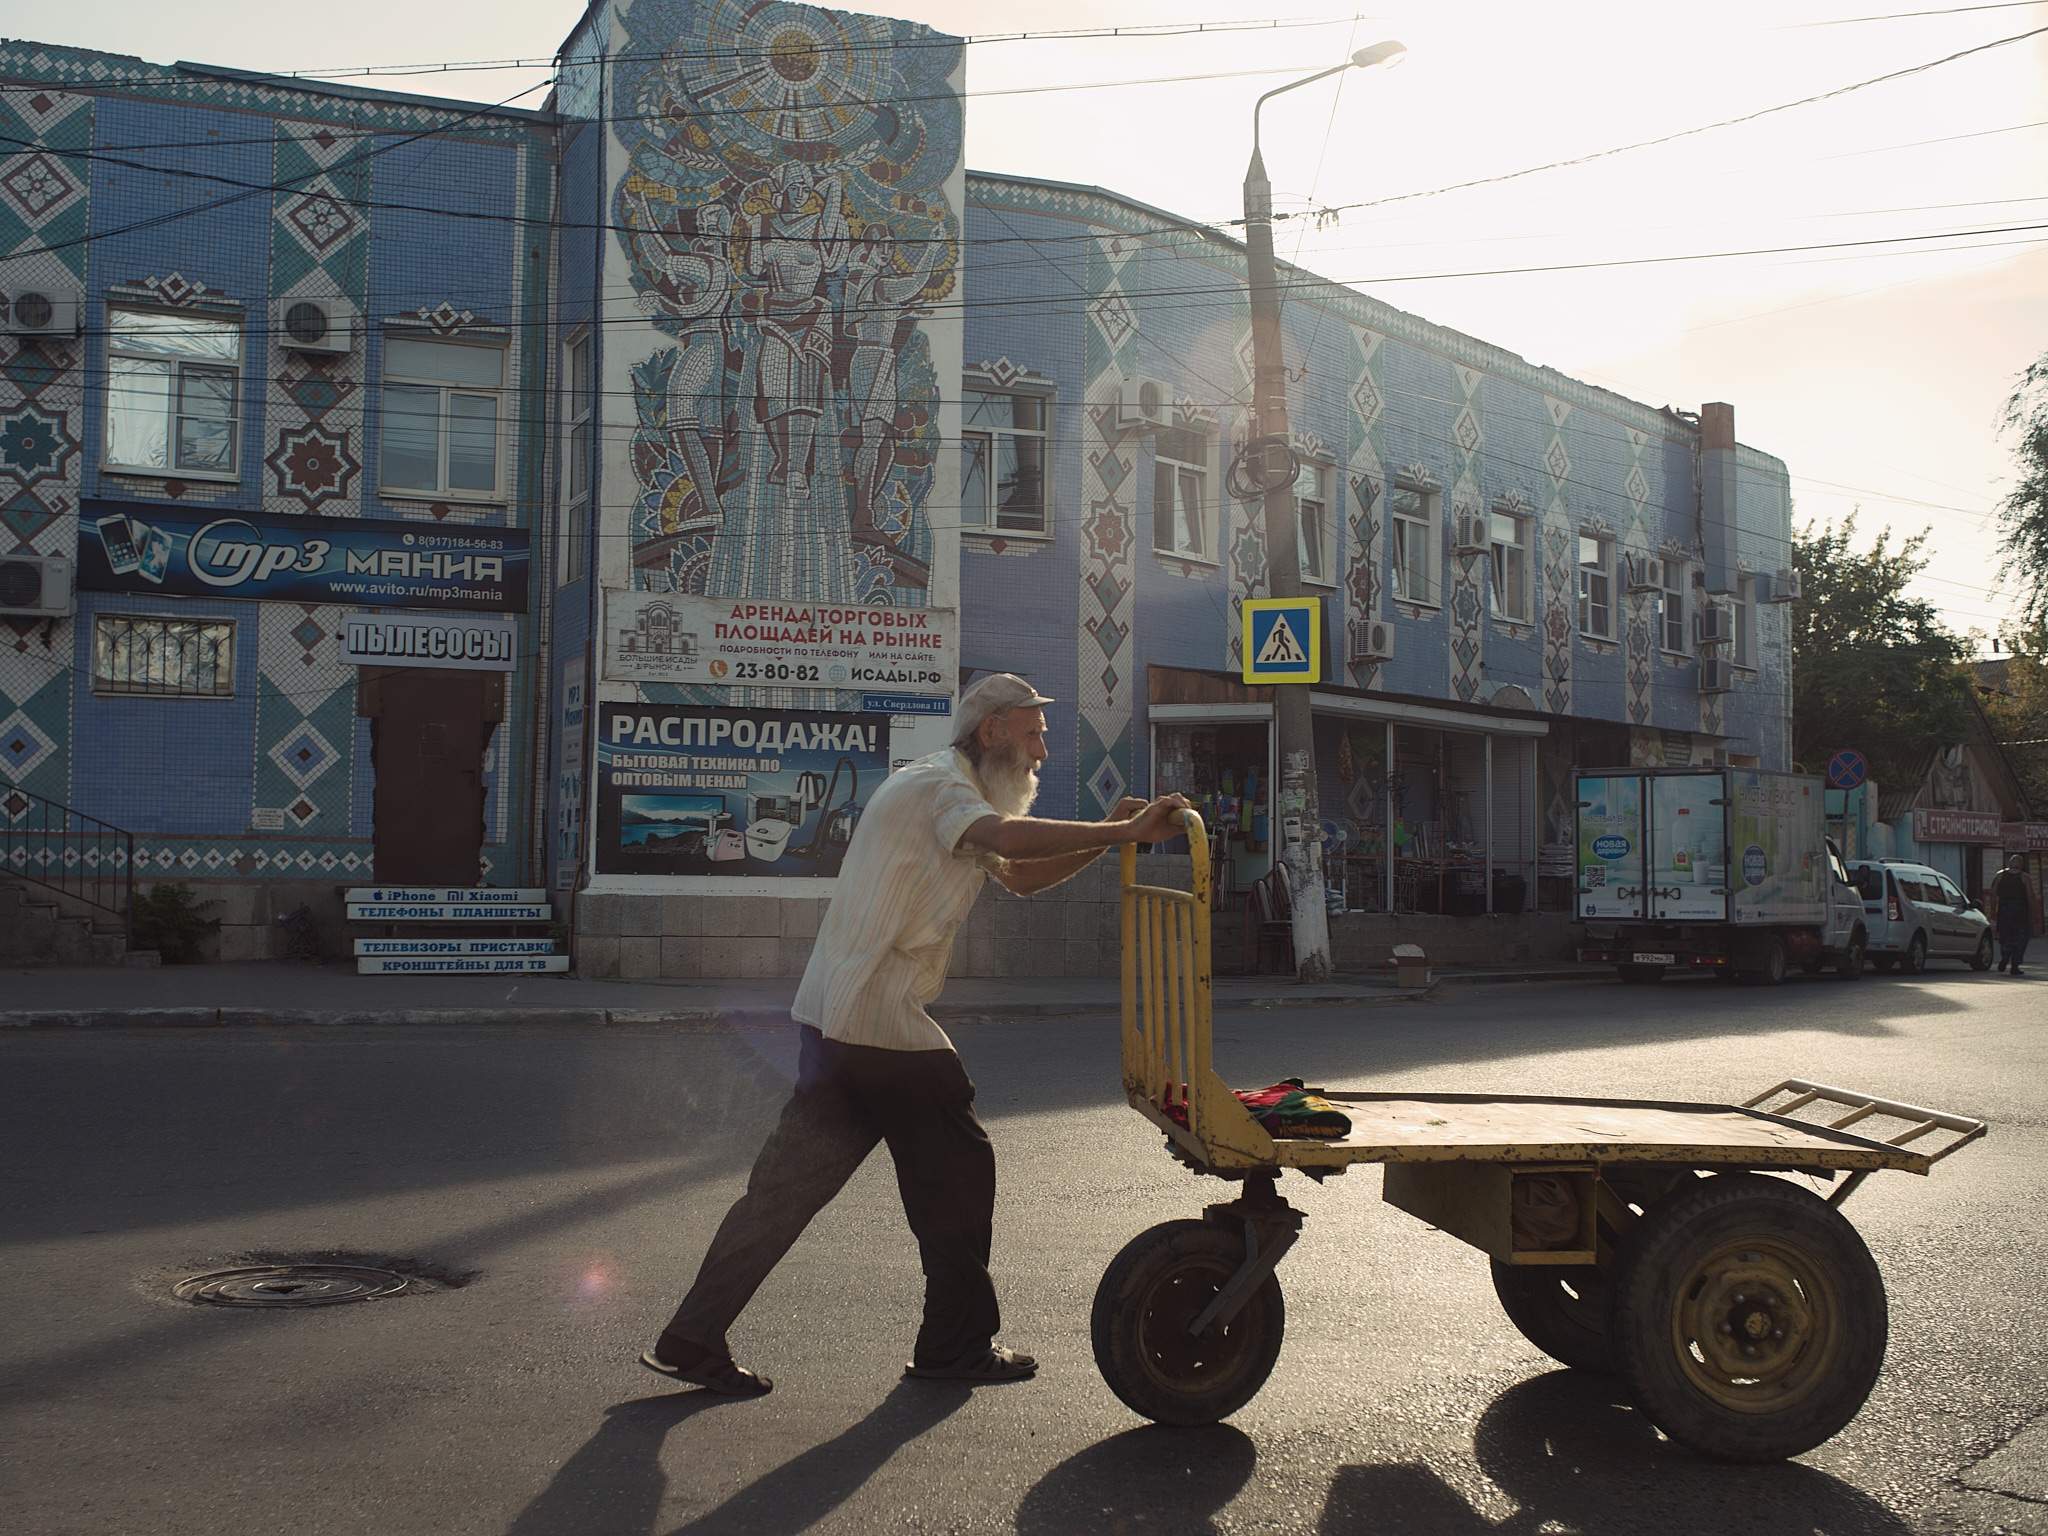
(699, 271)
(796, 245)
(879, 307)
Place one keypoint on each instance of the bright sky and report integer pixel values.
(1877, 373)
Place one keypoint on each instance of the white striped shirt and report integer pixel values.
(904, 890)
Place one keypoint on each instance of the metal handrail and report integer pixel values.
(63, 849)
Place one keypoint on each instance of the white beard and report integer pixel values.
(1011, 781)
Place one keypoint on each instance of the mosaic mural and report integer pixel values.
(1468, 569)
(1109, 462)
(42, 421)
(785, 211)
(1644, 607)
(1364, 479)
(1560, 559)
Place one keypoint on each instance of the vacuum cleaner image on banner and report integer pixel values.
(695, 790)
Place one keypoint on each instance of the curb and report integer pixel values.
(688, 1015)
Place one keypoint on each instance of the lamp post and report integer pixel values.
(1298, 826)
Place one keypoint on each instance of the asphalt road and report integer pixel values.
(569, 1179)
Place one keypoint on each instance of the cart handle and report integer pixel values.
(1862, 1106)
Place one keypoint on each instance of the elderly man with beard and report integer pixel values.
(873, 1065)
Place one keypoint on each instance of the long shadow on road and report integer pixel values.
(1149, 1480)
(1577, 1459)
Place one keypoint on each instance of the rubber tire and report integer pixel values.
(1662, 1255)
(1849, 964)
(1884, 965)
(1914, 961)
(1572, 1330)
(1772, 972)
(1981, 961)
(1183, 1262)
(1640, 975)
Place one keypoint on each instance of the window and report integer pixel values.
(1180, 482)
(1596, 586)
(576, 449)
(1414, 525)
(1002, 462)
(1676, 584)
(442, 405)
(1313, 532)
(169, 658)
(1745, 618)
(173, 388)
(1509, 552)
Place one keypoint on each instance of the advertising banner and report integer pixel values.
(1777, 850)
(696, 790)
(1688, 847)
(1958, 827)
(1611, 855)
(361, 562)
(665, 637)
(2025, 836)
(463, 644)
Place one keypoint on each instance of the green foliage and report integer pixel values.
(1871, 667)
(170, 921)
(2017, 703)
(2023, 515)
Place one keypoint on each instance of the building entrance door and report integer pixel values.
(428, 732)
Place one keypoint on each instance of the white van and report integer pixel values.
(1915, 914)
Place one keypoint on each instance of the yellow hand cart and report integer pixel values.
(1644, 1238)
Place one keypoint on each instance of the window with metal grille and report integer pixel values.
(164, 658)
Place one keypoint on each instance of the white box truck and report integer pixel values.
(1728, 870)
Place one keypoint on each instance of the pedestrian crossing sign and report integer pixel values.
(1283, 640)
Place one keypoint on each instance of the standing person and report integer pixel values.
(874, 1067)
(2015, 914)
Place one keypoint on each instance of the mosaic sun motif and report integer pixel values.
(786, 218)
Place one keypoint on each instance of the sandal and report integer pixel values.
(715, 1373)
(993, 1364)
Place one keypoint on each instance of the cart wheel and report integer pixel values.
(1560, 1308)
(1150, 1293)
(1748, 1318)
(1850, 966)
(1981, 961)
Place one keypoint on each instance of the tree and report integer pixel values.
(1872, 668)
(2023, 515)
(2015, 694)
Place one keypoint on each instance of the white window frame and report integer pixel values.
(1405, 527)
(1205, 504)
(1587, 574)
(575, 502)
(171, 629)
(1675, 586)
(1319, 473)
(170, 469)
(501, 436)
(1744, 652)
(987, 526)
(1524, 589)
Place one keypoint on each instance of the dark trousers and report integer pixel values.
(2012, 939)
(847, 1098)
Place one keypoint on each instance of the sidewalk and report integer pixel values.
(264, 992)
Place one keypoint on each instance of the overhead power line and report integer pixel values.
(1682, 133)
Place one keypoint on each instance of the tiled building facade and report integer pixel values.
(744, 340)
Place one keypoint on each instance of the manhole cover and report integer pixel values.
(289, 1285)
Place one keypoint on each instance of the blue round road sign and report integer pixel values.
(1847, 769)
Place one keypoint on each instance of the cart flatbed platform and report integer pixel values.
(1501, 1128)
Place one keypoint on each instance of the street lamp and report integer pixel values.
(1298, 827)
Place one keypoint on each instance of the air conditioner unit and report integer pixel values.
(35, 586)
(44, 311)
(1372, 640)
(1716, 675)
(1645, 573)
(1784, 586)
(1144, 403)
(1470, 533)
(1714, 624)
(315, 325)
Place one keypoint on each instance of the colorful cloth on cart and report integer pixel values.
(1288, 1108)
